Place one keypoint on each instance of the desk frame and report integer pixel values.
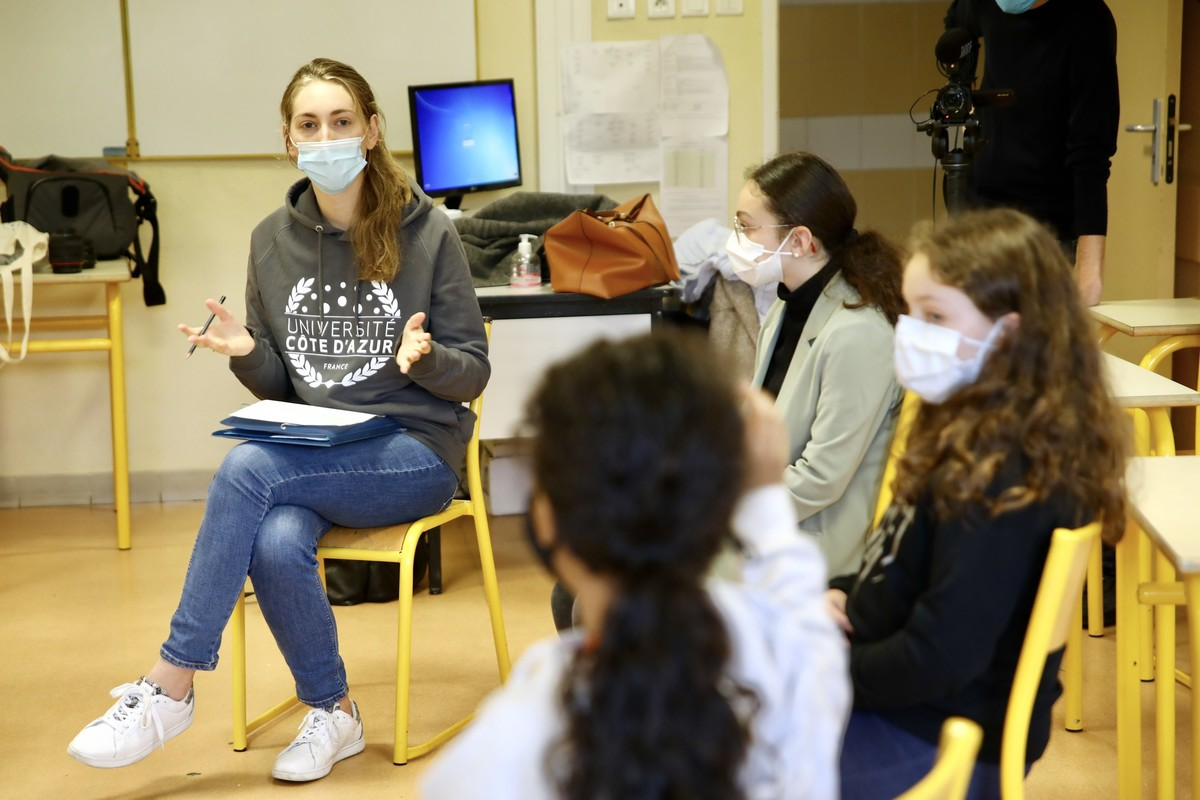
(112, 274)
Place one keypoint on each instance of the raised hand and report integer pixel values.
(415, 342)
(224, 335)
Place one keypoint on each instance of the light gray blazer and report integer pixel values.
(839, 401)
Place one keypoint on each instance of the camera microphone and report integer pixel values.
(954, 46)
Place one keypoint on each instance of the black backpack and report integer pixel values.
(88, 198)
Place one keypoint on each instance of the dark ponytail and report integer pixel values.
(639, 451)
(803, 189)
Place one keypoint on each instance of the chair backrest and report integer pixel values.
(904, 421)
(951, 774)
(1057, 594)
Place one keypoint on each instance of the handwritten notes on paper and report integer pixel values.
(650, 111)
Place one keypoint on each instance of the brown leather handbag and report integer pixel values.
(611, 253)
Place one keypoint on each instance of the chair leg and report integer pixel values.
(491, 588)
(237, 646)
(434, 538)
(404, 648)
(1073, 672)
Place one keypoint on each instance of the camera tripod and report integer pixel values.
(956, 162)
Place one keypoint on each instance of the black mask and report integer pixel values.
(543, 552)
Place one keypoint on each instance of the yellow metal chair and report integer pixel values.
(396, 544)
(1055, 611)
(908, 412)
(951, 774)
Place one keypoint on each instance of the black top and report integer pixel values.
(939, 612)
(1050, 152)
(799, 306)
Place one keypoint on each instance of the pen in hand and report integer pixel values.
(204, 330)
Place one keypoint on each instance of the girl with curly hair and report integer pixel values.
(1016, 435)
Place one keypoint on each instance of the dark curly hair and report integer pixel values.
(802, 189)
(1040, 392)
(639, 451)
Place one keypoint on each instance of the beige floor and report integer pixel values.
(81, 617)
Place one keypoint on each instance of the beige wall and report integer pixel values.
(739, 39)
(848, 73)
(55, 443)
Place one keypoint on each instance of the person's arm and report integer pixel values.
(1089, 267)
(1093, 120)
(978, 576)
(857, 390)
(261, 369)
(455, 365)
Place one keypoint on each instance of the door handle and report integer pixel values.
(1151, 129)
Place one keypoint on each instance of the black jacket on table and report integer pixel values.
(939, 612)
(1049, 153)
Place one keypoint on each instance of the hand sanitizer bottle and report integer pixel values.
(526, 270)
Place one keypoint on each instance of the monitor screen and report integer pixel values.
(464, 137)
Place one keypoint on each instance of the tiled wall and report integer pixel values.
(851, 73)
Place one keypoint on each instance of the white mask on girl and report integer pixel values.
(746, 266)
(331, 165)
(927, 359)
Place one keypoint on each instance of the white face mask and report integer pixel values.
(746, 266)
(1015, 6)
(331, 165)
(927, 359)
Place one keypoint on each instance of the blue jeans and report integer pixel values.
(267, 507)
(880, 761)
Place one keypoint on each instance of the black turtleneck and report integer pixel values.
(799, 306)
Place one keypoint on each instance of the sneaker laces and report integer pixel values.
(136, 708)
(314, 727)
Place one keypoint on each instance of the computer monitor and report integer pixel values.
(464, 138)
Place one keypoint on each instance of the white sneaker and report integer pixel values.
(326, 737)
(142, 719)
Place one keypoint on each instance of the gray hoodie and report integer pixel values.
(324, 338)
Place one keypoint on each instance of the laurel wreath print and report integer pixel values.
(310, 374)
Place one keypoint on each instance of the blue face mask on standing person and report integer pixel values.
(1015, 6)
(331, 165)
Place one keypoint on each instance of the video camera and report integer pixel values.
(957, 52)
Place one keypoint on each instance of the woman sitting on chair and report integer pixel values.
(825, 348)
(358, 297)
(1016, 436)
(673, 685)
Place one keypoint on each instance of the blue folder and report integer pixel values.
(310, 435)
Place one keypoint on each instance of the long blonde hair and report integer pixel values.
(1040, 394)
(385, 192)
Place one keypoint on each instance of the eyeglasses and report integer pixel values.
(741, 229)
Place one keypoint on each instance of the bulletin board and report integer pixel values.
(208, 76)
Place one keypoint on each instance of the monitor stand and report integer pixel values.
(453, 201)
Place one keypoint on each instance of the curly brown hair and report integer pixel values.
(1040, 393)
(385, 191)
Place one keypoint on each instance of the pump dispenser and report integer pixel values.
(526, 270)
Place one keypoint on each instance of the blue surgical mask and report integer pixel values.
(1015, 6)
(331, 165)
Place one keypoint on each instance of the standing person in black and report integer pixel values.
(1049, 153)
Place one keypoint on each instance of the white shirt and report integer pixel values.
(784, 647)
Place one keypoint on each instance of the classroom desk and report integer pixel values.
(1162, 317)
(533, 329)
(110, 274)
(1160, 494)
(1134, 387)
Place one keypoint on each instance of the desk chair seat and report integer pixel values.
(394, 543)
(950, 777)
(1055, 613)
